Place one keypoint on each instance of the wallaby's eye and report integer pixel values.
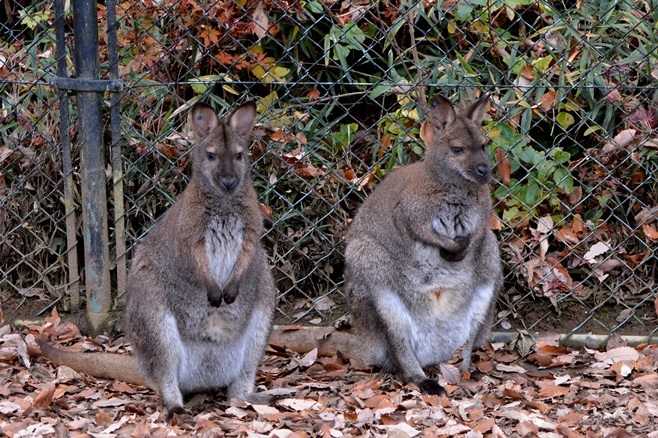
(211, 156)
(238, 156)
(457, 150)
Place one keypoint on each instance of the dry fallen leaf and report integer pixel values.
(596, 250)
(510, 368)
(617, 354)
(261, 23)
(451, 373)
(613, 391)
(299, 405)
(620, 140)
(552, 391)
(309, 358)
(45, 396)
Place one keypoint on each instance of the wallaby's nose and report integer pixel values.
(228, 183)
(482, 169)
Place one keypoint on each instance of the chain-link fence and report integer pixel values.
(341, 89)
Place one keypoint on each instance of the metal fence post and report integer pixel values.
(94, 198)
(67, 165)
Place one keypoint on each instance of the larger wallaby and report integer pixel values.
(205, 250)
(422, 267)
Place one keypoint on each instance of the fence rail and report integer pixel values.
(341, 89)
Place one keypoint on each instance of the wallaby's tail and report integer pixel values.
(104, 365)
(327, 340)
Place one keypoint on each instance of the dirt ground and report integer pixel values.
(545, 390)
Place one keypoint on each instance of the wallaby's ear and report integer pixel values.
(242, 119)
(202, 119)
(476, 111)
(442, 112)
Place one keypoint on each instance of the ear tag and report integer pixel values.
(199, 117)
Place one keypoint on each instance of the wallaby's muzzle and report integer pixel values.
(228, 183)
(483, 172)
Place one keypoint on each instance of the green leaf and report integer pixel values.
(511, 214)
(230, 90)
(417, 150)
(378, 90)
(565, 120)
(501, 192)
(340, 54)
(463, 13)
(200, 84)
(542, 64)
(559, 155)
(532, 194)
(314, 7)
(563, 179)
(464, 64)
(544, 170)
(591, 130)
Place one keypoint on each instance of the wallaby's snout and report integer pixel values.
(482, 169)
(483, 172)
(229, 183)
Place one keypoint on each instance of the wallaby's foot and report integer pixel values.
(259, 398)
(173, 411)
(431, 387)
(266, 397)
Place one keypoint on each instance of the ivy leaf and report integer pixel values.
(564, 120)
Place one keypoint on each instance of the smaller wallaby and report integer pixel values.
(206, 249)
(422, 267)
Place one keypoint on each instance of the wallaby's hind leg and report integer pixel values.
(257, 336)
(400, 331)
(166, 344)
(482, 331)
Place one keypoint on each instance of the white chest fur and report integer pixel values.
(223, 246)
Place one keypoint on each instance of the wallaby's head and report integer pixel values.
(455, 142)
(221, 155)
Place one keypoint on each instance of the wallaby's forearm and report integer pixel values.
(241, 266)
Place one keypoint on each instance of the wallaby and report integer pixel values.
(422, 267)
(205, 249)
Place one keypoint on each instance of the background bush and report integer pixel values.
(341, 88)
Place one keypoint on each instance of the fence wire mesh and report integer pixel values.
(341, 89)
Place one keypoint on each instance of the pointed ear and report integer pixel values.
(242, 119)
(202, 119)
(442, 112)
(476, 111)
(426, 132)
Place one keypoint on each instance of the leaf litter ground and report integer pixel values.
(550, 392)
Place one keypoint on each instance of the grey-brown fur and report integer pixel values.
(205, 250)
(422, 267)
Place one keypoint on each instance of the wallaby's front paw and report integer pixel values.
(215, 294)
(431, 387)
(231, 292)
(215, 302)
(173, 411)
(462, 242)
(452, 256)
(458, 251)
